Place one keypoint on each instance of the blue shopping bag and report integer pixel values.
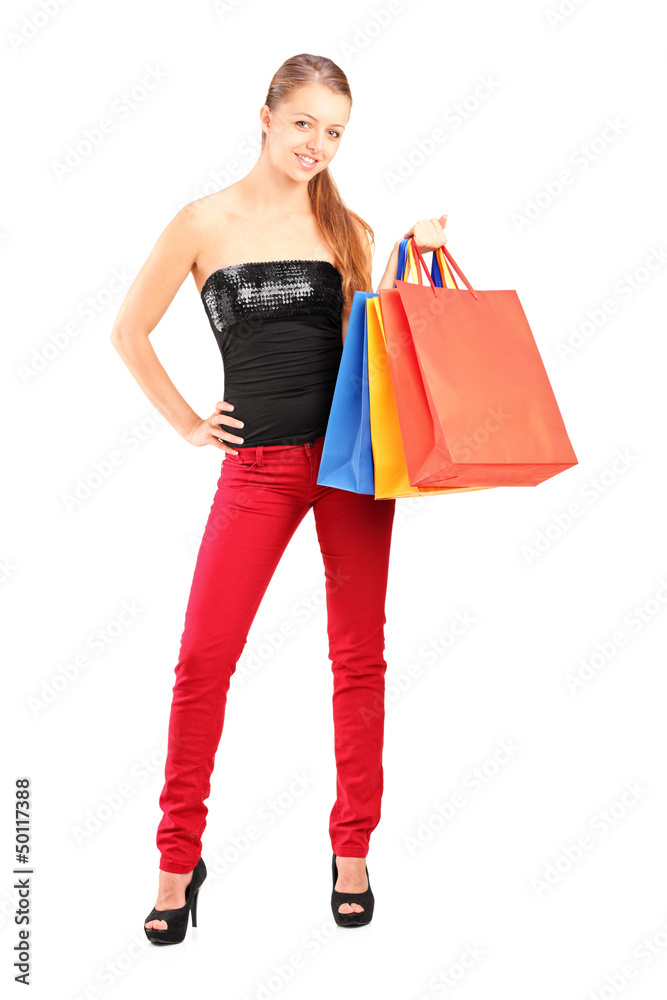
(347, 456)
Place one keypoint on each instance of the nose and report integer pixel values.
(315, 142)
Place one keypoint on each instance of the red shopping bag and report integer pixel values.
(474, 401)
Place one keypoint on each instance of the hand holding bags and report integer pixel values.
(441, 389)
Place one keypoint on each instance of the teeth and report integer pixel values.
(306, 159)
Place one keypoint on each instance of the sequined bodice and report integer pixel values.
(278, 327)
(272, 289)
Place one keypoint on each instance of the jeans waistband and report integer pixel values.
(255, 453)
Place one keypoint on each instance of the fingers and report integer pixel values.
(224, 432)
(429, 234)
(220, 434)
(227, 418)
(439, 225)
(220, 442)
(438, 231)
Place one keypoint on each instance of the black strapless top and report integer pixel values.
(278, 327)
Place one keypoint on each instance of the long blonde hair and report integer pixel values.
(336, 220)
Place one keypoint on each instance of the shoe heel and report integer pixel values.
(177, 919)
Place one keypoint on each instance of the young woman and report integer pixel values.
(276, 258)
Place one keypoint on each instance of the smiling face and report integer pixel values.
(304, 133)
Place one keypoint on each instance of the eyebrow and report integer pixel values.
(304, 114)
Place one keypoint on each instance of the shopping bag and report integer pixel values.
(424, 447)
(474, 401)
(391, 476)
(347, 458)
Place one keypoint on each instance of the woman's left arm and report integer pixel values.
(429, 234)
(391, 269)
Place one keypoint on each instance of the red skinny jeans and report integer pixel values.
(262, 495)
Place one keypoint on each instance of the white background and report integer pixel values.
(589, 931)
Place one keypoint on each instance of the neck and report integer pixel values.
(270, 187)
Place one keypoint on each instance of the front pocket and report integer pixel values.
(239, 461)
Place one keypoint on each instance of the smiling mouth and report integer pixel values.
(308, 161)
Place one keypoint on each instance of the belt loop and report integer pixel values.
(259, 455)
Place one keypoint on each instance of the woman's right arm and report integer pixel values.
(166, 268)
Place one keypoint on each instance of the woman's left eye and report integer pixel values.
(337, 134)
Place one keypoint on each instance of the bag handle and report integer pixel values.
(407, 263)
(439, 268)
(402, 260)
(451, 261)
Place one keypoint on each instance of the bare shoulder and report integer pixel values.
(178, 251)
(213, 225)
(198, 217)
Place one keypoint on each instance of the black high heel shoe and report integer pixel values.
(177, 920)
(364, 899)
